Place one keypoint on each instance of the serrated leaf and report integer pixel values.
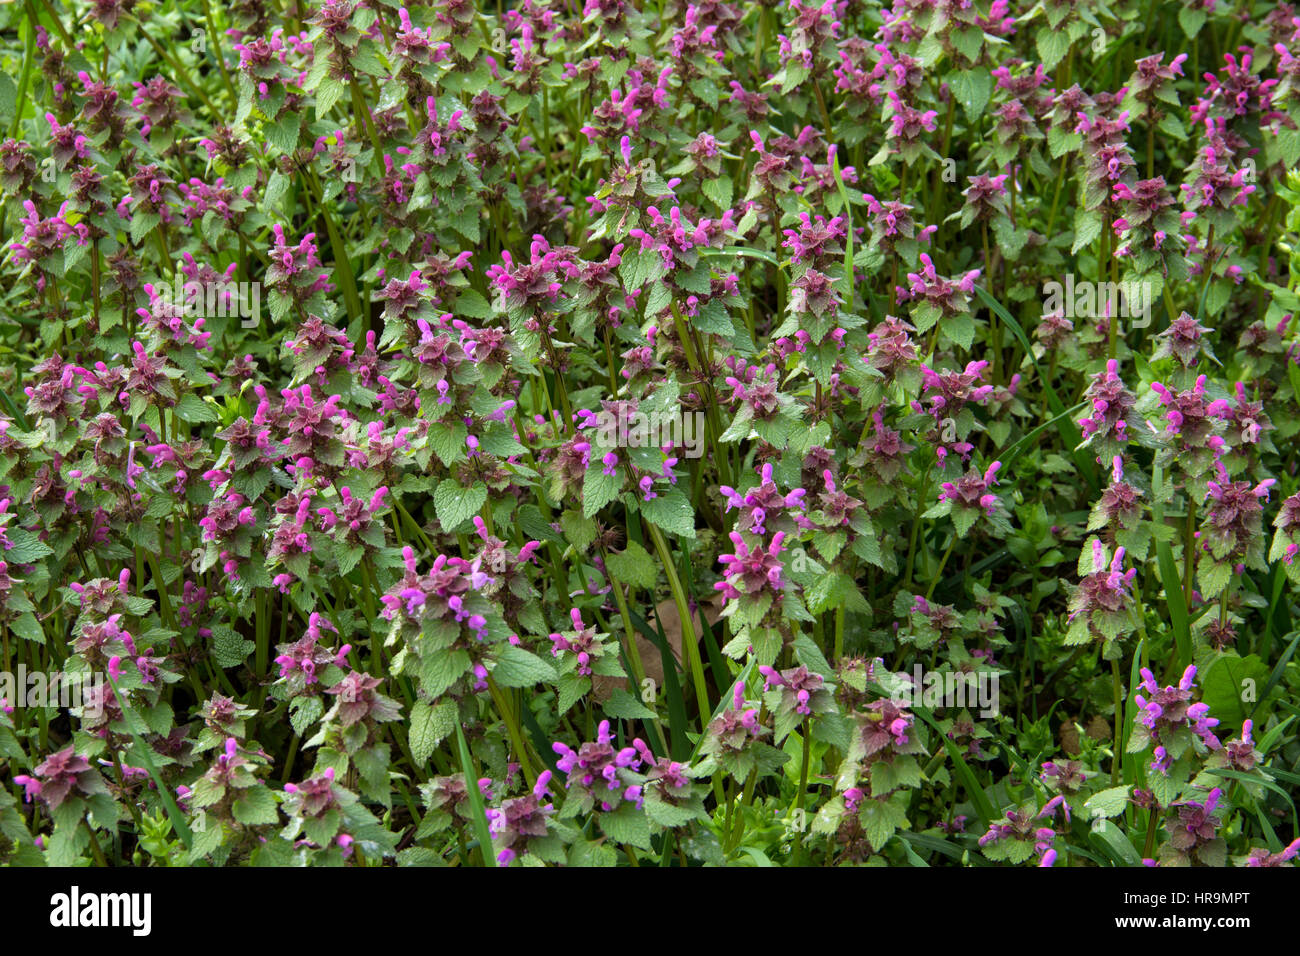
(229, 649)
(142, 224)
(256, 806)
(627, 825)
(634, 566)
(599, 489)
(1087, 227)
(517, 667)
(1109, 802)
(194, 410)
(672, 512)
(624, 706)
(303, 712)
(1052, 46)
(283, 135)
(431, 729)
(456, 505)
(972, 89)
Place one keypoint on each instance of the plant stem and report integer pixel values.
(689, 640)
(934, 580)
(512, 725)
(916, 526)
(95, 848)
(806, 759)
(1117, 688)
(1151, 834)
(826, 115)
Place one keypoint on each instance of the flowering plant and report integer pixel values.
(660, 443)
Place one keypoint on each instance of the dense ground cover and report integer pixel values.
(648, 433)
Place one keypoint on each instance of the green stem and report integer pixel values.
(216, 41)
(512, 726)
(802, 791)
(916, 527)
(826, 114)
(748, 798)
(934, 581)
(29, 57)
(1117, 688)
(630, 645)
(689, 640)
(359, 106)
(1151, 834)
(95, 848)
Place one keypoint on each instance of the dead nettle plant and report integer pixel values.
(638, 433)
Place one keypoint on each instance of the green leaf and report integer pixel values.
(448, 441)
(1052, 46)
(441, 669)
(470, 303)
(584, 853)
(327, 94)
(142, 224)
(599, 489)
(1227, 681)
(1115, 844)
(194, 410)
(24, 547)
(719, 190)
(228, 648)
(627, 825)
(28, 628)
(303, 712)
(1191, 19)
(430, 726)
(624, 706)
(256, 806)
(579, 530)
(968, 42)
(1107, 803)
(207, 841)
(9, 98)
(667, 815)
(672, 512)
(972, 89)
(517, 667)
(1213, 577)
(634, 566)
(880, 820)
(1087, 227)
(456, 505)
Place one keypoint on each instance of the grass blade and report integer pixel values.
(475, 798)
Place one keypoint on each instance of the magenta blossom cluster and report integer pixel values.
(598, 773)
(1164, 711)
